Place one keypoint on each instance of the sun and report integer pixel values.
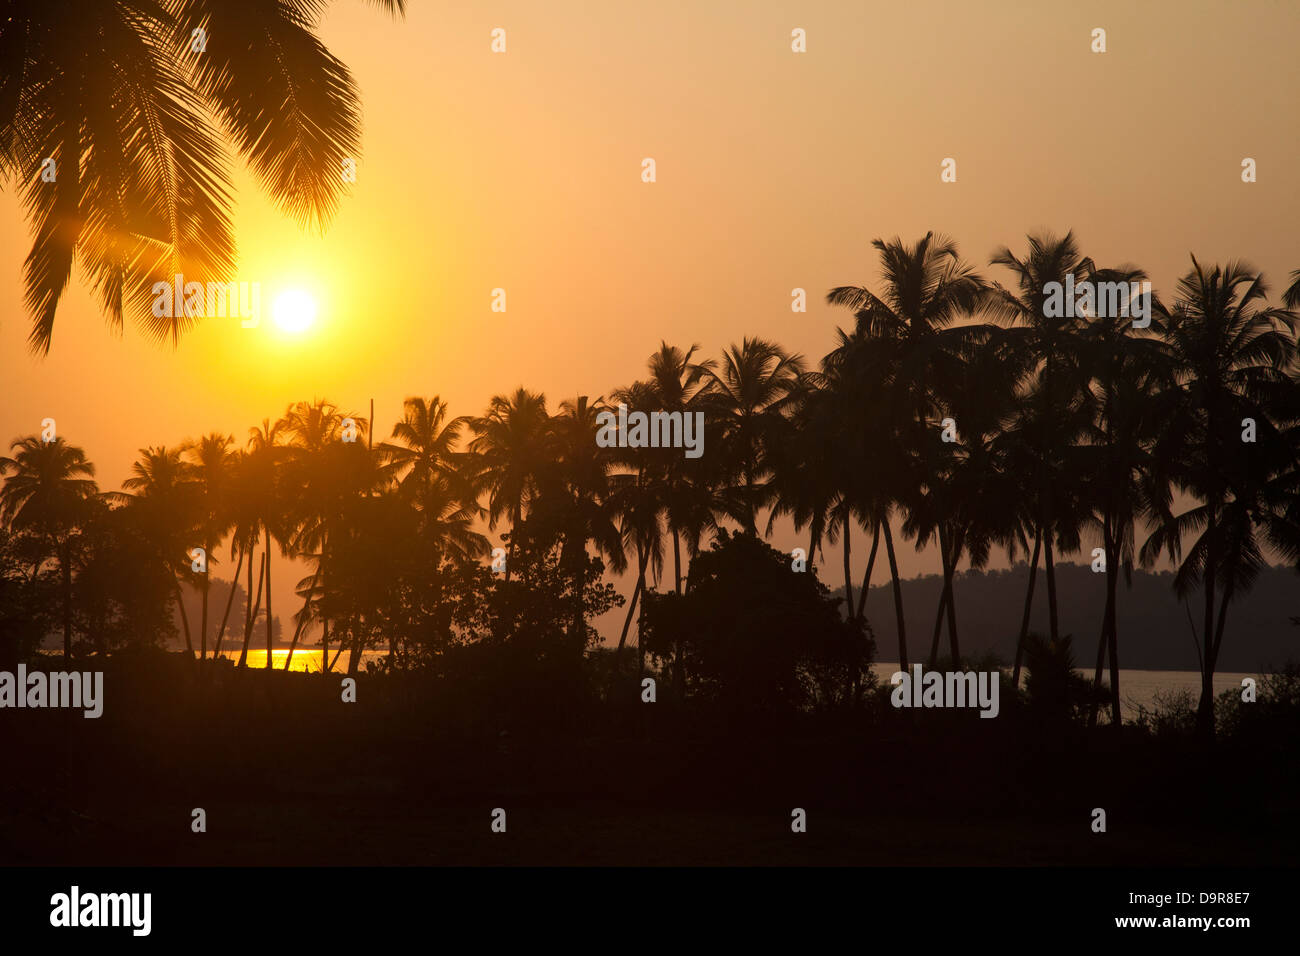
(294, 311)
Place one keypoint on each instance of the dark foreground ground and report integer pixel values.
(410, 774)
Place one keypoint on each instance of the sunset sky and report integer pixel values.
(775, 170)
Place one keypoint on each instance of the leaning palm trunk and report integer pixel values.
(938, 626)
(302, 618)
(1050, 568)
(848, 570)
(898, 596)
(203, 615)
(949, 561)
(1029, 604)
(269, 617)
(1205, 709)
(253, 608)
(1095, 704)
(185, 618)
(230, 602)
(642, 556)
(65, 562)
(1112, 628)
(866, 577)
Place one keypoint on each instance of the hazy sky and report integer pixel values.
(775, 170)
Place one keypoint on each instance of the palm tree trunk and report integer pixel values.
(302, 618)
(898, 596)
(185, 618)
(269, 617)
(641, 558)
(253, 606)
(866, 577)
(1050, 567)
(938, 626)
(65, 566)
(949, 561)
(1205, 710)
(230, 602)
(677, 561)
(1095, 703)
(203, 616)
(1029, 604)
(848, 569)
(1112, 628)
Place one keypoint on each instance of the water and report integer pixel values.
(1135, 686)
(304, 659)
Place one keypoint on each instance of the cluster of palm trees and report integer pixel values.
(963, 409)
(955, 411)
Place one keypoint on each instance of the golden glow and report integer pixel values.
(294, 311)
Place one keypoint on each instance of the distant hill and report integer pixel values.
(1154, 633)
(217, 596)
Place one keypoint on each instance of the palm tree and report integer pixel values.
(161, 488)
(580, 498)
(639, 499)
(424, 448)
(316, 476)
(212, 470)
(263, 460)
(46, 486)
(1053, 416)
(1231, 357)
(1127, 367)
(744, 402)
(513, 443)
(920, 346)
(815, 467)
(142, 188)
(677, 386)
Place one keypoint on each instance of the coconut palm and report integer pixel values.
(677, 386)
(639, 499)
(113, 103)
(513, 444)
(1231, 356)
(264, 485)
(46, 487)
(919, 322)
(1053, 417)
(161, 488)
(743, 399)
(324, 466)
(579, 498)
(1127, 367)
(213, 461)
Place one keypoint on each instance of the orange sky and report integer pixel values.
(775, 170)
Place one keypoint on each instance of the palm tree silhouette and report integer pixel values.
(46, 487)
(744, 401)
(212, 466)
(1231, 358)
(264, 460)
(513, 444)
(1053, 414)
(118, 96)
(161, 488)
(1126, 366)
(927, 291)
